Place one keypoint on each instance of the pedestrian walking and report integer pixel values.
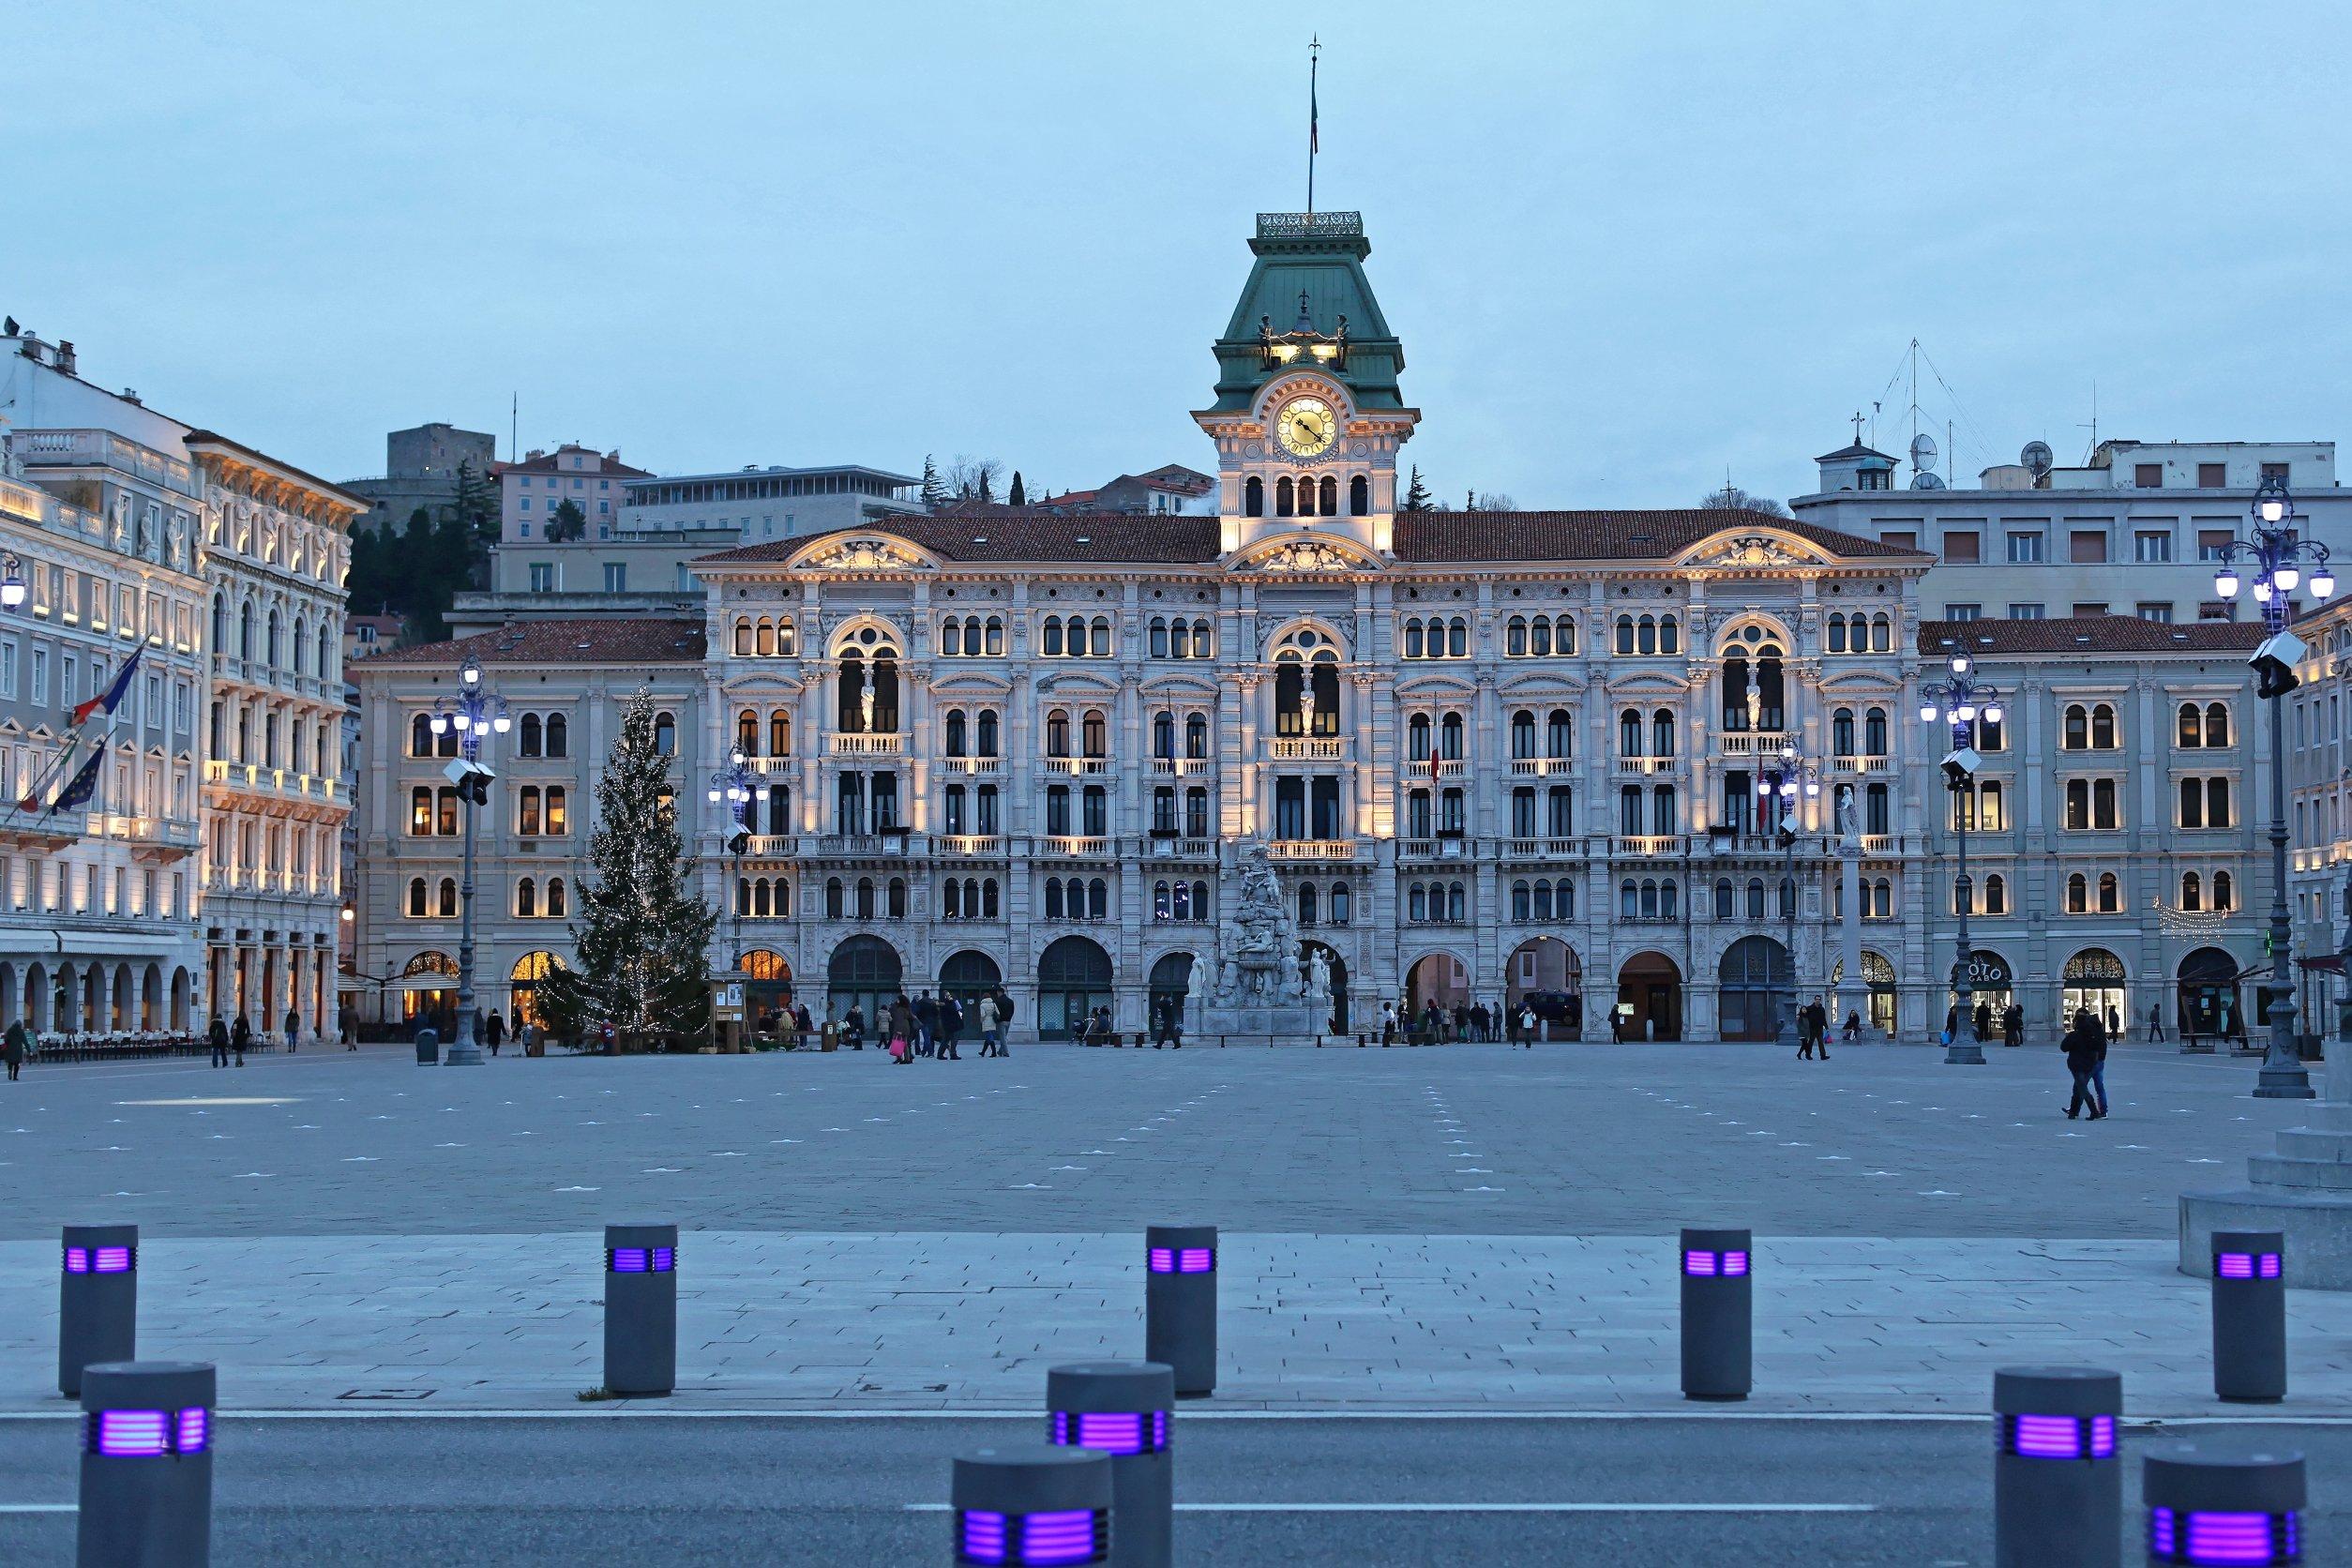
(2115, 1023)
(1983, 1021)
(14, 1046)
(1527, 1026)
(240, 1036)
(1388, 1024)
(900, 1030)
(990, 1041)
(218, 1035)
(1616, 1027)
(347, 1028)
(293, 1031)
(1003, 999)
(1812, 1026)
(2083, 1050)
(951, 1024)
(854, 1025)
(493, 1031)
(2156, 1023)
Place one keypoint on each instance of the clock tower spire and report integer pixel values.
(1308, 416)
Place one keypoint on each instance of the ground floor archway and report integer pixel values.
(1991, 988)
(1755, 983)
(2094, 978)
(522, 987)
(423, 997)
(1545, 976)
(864, 972)
(1649, 997)
(1435, 977)
(1877, 981)
(969, 976)
(2210, 998)
(1074, 978)
(767, 986)
(1170, 982)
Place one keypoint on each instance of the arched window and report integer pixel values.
(1359, 496)
(556, 906)
(448, 900)
(531, 736)
(1628, 900)
(1092, 733)
(1196, 736)
(1881, 634)
(1330, 488)
(2077, 894)
(1842, 732)
(420, 735)
(747, 732)
(1253, 497)
(1874, 732)
(1646, 635)
(1662, 733)
(1629, 734)
(273, 640)
(2103, 736)
(1755, 898)
(2216, 724)
(1624, 634)
(985, 733)
(1285, 504)
(558, 735)
(526, 898)
(1996, 894)
(416, 897)
(1049, 636)
(1837, 634)
(2074, 734)
(1308, 903)
(956, 736)
(832, 898)
(2225, 893)
(1724, 899)
(666, 734)
(2190, 731)
(2191, 891)
(2110, 894)
(780, 733)
(1538, 640)
(1522, 733)
(1450, 736)
(1514, 638)
(1669, 635)
(1342, 903)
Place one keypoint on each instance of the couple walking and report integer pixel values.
(2086, 1047)
(1813, 1030)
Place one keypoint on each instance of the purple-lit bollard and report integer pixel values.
(146, 1465)
(1180, 1304)
(2058, 1491)
(2248, 1316)
(1718, 1312)
(640, 1308)
(2213, 1506)
(1121, 1408)
(1032, 1503)
(97, 1300)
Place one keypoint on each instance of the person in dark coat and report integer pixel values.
(951, 1023)
(2156, 1023)
(1983, 1021)
(493, 1031)
(13, 1047)
(2084, 1046)
(218, 1035)
(293, 1030)
(240, 1036)
(1813, 1025)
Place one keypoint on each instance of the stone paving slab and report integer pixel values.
(969, 1321)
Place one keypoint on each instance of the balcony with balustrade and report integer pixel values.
(1075, 767)
(1422, 768)
(1164, 846)
(1851, 765)
(1312, 849)
(1751, 742)
(1648, 844)
(866, 746)
(1545, 767)
(1309, 748)
(976, 767)
(1544, 851)
(1079, 847)
(1179, 767)
(1440, 848)
(1642, 767)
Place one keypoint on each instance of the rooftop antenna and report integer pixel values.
(1314, 117)
(2094, 421)
(514, 425)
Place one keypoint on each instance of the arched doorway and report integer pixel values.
(1546, 973)
(1073, 979)
(1337, 1023)
(1649, 997)
(1437, 977)
(1171, 974)
(179, 1000)
(968, 976)
(1878, 981)
(428, 989)
(522, 987)
(2094, 978)
(864, 972)
(1752, 985)
(767, 985)
(1990, 986)
(2209, 995)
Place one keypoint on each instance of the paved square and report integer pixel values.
(1452, 1227)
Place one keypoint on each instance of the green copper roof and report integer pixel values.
(1321, 255)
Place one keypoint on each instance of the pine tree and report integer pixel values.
(933, 494)
(1416, 493)
(476, 504)
(642, 939)
(1017, 496)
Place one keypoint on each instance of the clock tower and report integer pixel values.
(1307, 417)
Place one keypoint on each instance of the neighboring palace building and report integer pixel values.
(1493, 754)
(202, 875)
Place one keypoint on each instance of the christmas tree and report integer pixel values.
(642, 941)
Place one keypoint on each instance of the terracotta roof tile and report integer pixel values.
(546, 462)
(1059, 538)
(2088, 634)
(560, 642)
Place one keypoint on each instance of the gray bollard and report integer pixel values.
(1180, 1304)
(2058, 1491)
(1121, 1408)
(640, 1308)
(1718, 1310)
(146, 1465)
(2223, 1505)
(1032, 1502)
(2248, 1316)
(97, 1300)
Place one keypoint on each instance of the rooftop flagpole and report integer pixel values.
(1314, 134)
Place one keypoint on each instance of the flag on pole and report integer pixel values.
(81, 787)
(1313, 113)
(32, 801)
(113, 694)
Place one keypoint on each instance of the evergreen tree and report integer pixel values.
(1416, 493)
(567, 523)
(934, 492)
(476, 504)
(1017, 496)
(642, 939)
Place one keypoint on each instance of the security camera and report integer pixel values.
(2274, 664)
(1960, 766)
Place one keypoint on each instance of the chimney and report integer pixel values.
(64, 355)
(129, 395)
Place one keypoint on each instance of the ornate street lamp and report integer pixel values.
(474, 713)
(1782, 779)
(741, 791)
(1959, 702)
(12, 589)
(2276, 559)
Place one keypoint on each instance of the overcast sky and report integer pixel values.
(1628, 247)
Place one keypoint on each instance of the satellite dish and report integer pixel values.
(1923, 452)
(2037, 456)
(1925, 480)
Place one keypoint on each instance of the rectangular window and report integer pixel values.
(2087, 546)
(2212, 475)
(2152, 543)
(2147, 476)
(7, 668)
(2024, 547)
(2160, 614)
(2212, 543)
(1901, 538)
(1963, 611)
(543, 576)
(2025, 613)
(1963, 546)
(616, 577)
(2086, 607)
(2274, 471)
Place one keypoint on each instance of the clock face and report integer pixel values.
(1306, 427)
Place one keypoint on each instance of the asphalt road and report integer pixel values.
(1464, 1140)
(1391, 1490)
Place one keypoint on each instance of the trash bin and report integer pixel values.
(427, 1047)
(829, 1039)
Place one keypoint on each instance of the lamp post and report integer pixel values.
(475, 712)
(1958, 701)
(12, 589)
(2277, 558)
(2344, 961)
(741, 790)
(1780, 780)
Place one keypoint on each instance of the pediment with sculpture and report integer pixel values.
(1753, 549)
(862, 553)
(1304, 557)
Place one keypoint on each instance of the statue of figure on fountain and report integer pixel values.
(1264, 992)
